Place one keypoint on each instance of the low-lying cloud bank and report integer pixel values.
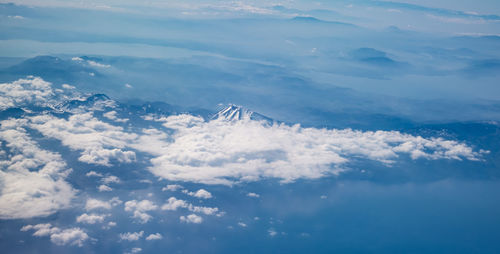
(180, 148)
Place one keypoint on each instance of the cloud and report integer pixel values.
(111, 115)
(103, 187)
(253, 195)
(91, 218)
(93, 173)
(192, 218)
(23, 92)
(140, 208)
(172, 187)
(173, 204)
(134, 250)
(32, 180)
(201, 193)
(70, 236)
(156, 236)
(93, 204)
(131, 236)
(100, 142)
(241, 224)
(272, 232)
(225, 152)
(110, 179)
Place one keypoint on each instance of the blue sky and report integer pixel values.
(249, 126)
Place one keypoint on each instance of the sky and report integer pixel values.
(348, 126)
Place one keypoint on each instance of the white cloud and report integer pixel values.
(272, 232)
(91, 218)
(70, 236)
(67, 86)
(109, 225)
(192, 218)
(241, 224)
(131, 236)
(134, 250)
(24, 92)
(110, 179)
(96, 64)
(156, 236)
(100, 142)
(32, 180)
(111, 115)
(104, 187)
(140, 208)
(201, 193)
(93, 173)
(253, 195)
(173, 204)
(93, 204)
(224, 152)
(172, 187)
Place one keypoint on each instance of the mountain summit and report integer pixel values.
(234, 113)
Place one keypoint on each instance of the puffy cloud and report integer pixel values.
(110, 179)
(134, 250)
(104, 187)
(32, 180)
(91, 218)
(172, 187)
(224, 152)
(93, 204)
(192, 218)
(100, 142)
(93, 173)
(201, 193)
(253, 195)
(140, 208)
(70, 236)
(173, 204)
(272, 232)
(241, 224)
(156, 236)
(22, 92)
(111, 115)
(131, 236)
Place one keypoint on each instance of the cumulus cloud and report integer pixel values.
(110, 179)
(32, 180)
(253, 195)
(70, 236)
(91, 218)
(192, 218)
(104, 187)
(134, 250)
(225, 152)
(93, 204)
(201, 193)
(99, 142)
(172, 187)
(173, 204)
(111, 115)
(131, 236)
(156, 236)
(93, 173)
(140, 208)
(22, 92)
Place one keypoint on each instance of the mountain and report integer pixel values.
(236, 113)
